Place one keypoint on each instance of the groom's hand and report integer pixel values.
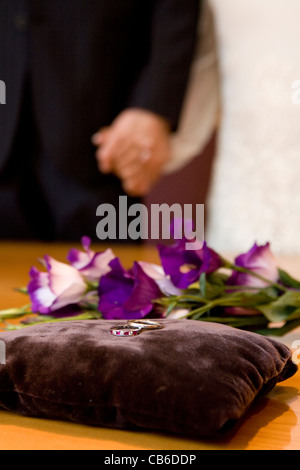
(136, 148)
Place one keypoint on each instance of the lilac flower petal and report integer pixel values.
(77, 258)
(155, 271)
(42, 300)
(126, 294)
(244, 279)
(91, 265)
(174, 262)
(86, 243)
(40, 294)
(60, 286)
(38, 279)
(62, 276)
(144, 291)
(260, 260)
(185, 266)
(72, 295)
(211, 261)
(163, 282)
(114, 291)
(98, 265)
(114, 288)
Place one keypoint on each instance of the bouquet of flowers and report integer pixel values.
(250, 293)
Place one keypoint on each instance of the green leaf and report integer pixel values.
(263, 296)
(288, 280)
(202, 284)
(282, 308)
(171, 307)
(295, 315)
(246, 299)
(199, 312)
(215, 285)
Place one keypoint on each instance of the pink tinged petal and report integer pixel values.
(167, 287)
(264, 263)
(126, 294)
(42, 299)
(260, 260)
(164, 282)
(145, 290)
(78, 259)
(38, 279)
(62, 276)
(72, 295)
(40, 294)
(60, 286)
(152, 270)
(98, 266)
(86, 243)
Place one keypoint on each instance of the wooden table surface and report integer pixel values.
(273, 422)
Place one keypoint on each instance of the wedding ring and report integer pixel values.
(145, 324)
(135, 327)
(125, 330)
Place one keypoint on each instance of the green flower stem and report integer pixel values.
(199, 311)
(241, 287)
(196, 298)
(225, 301)
(15, 312)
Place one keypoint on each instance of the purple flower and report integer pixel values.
(126, 294)
(163, 281)
(90, 264)
(260, 260)
(183, 266)
(61, 286)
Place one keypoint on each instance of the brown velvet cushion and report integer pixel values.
(190, 377)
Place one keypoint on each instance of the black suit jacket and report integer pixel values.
(86, 61)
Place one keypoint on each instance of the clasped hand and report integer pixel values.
(135, 147)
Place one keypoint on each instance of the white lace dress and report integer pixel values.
(255, 190)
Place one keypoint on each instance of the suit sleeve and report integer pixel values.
(162, 83)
